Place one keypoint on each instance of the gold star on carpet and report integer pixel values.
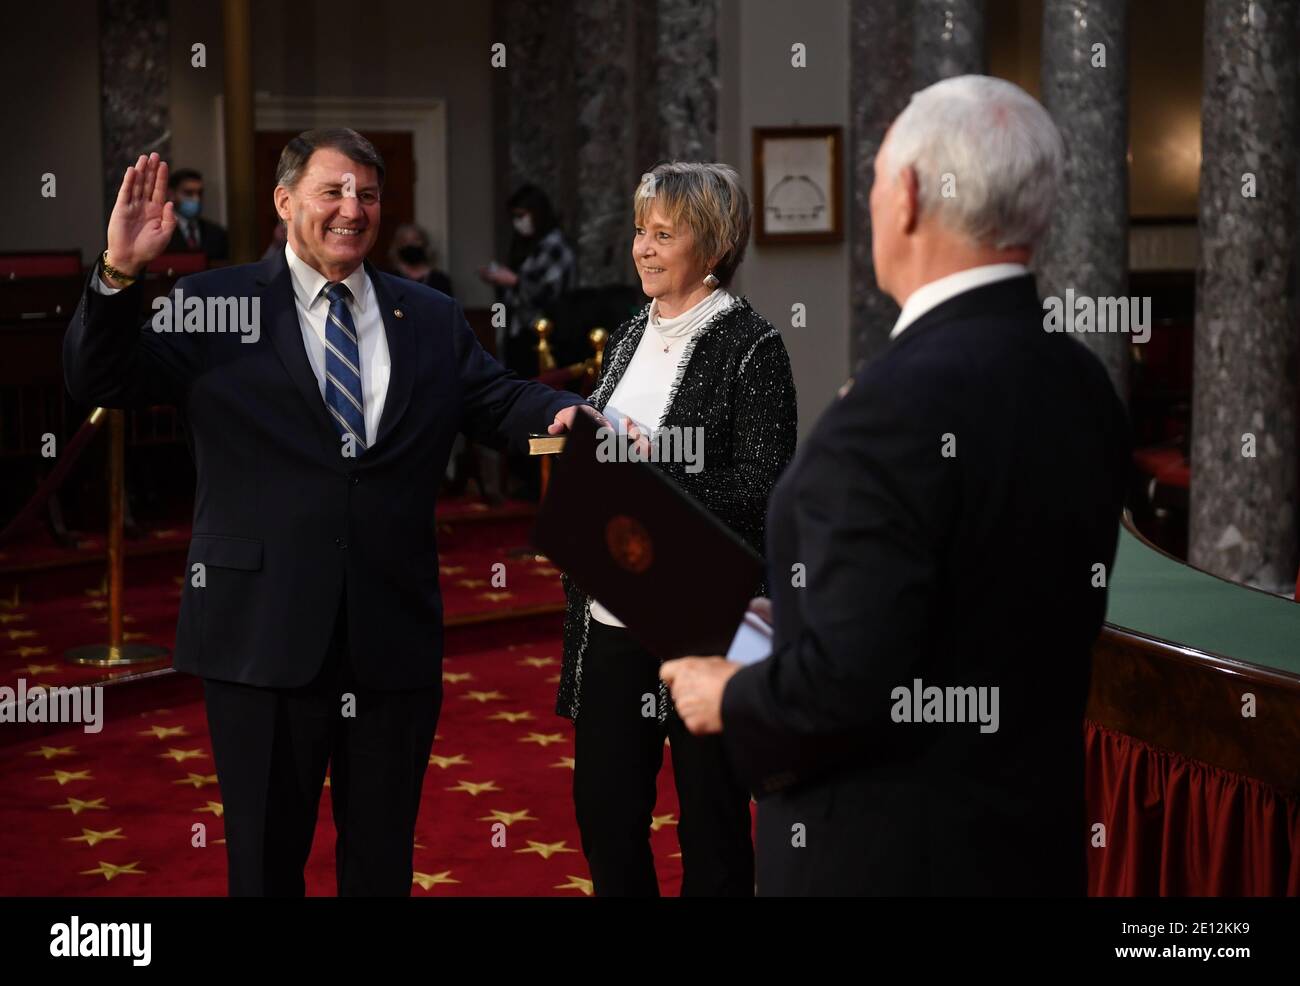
(20, 634)
(543, 739)
(547, 849)
(11, 603)
(475, 789)
(444, 762)
(471, 583)
(50, 752)
(6, 618)
(578, 883)
(565, 762)
(546, 572)
(108, 870)
(180, 756)
(496, 597)
(493, 696)
(125, 619)
(34, 669)
(26, 651)
(428, 880)
(456, 677)
(537, 662)
(553, 679)
(511, 716)
(508, 817)
(169, 533)
(162, 732)
(77, 806)
(198, 780)
(135, 636)
(64, 776)
(92, 838)
(216, 807)
(659, 821)
(96, 604)
(450, 569)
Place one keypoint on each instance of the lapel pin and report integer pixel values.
(398, 313)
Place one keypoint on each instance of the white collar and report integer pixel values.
(929, 296)
(309, 283)
(691, 319)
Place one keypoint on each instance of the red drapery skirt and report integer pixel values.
(1178, 827)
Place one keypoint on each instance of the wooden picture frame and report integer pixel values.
(798, 185)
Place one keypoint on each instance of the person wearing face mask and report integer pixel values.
(541, 270)
(194, 234)
(412, 256)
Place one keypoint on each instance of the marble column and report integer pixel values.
(1085, 89)
(606, 138)
(948, 40)
(880, 83)
(134, 87)
(1243, 497)
(536, 96)
(686, 63)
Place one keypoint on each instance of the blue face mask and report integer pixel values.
(189, 208)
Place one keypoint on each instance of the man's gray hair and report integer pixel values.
(296, 153)
(988, 159)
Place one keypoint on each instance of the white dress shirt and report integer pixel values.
(372, 341)
(932, 295)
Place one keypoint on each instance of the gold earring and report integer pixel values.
(710, 281)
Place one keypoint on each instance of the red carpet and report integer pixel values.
(113, 813)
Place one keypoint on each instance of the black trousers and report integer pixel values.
(618, 752)
(272, 747)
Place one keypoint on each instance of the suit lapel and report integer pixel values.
(400, 333)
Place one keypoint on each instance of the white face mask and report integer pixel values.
(524, 225)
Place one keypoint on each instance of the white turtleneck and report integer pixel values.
(642, 391)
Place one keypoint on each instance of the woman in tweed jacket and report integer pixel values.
(695, 357)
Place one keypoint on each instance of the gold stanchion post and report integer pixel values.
(116, 653)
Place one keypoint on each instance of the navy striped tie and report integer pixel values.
(343, 394)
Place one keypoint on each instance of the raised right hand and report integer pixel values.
(143, 220)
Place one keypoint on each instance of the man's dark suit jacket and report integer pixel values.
(213, 241)
(975, 569)
(283, 522)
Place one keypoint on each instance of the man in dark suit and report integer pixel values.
(193, 233)
(322, 398)
(938, 551)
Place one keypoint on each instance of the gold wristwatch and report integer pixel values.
(126, 280)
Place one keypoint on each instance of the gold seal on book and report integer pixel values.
(629, 543)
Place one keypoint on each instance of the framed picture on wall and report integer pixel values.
(797, 185)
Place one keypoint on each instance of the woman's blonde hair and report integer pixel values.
(709, 200)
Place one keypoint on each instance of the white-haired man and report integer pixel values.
(934, 550)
